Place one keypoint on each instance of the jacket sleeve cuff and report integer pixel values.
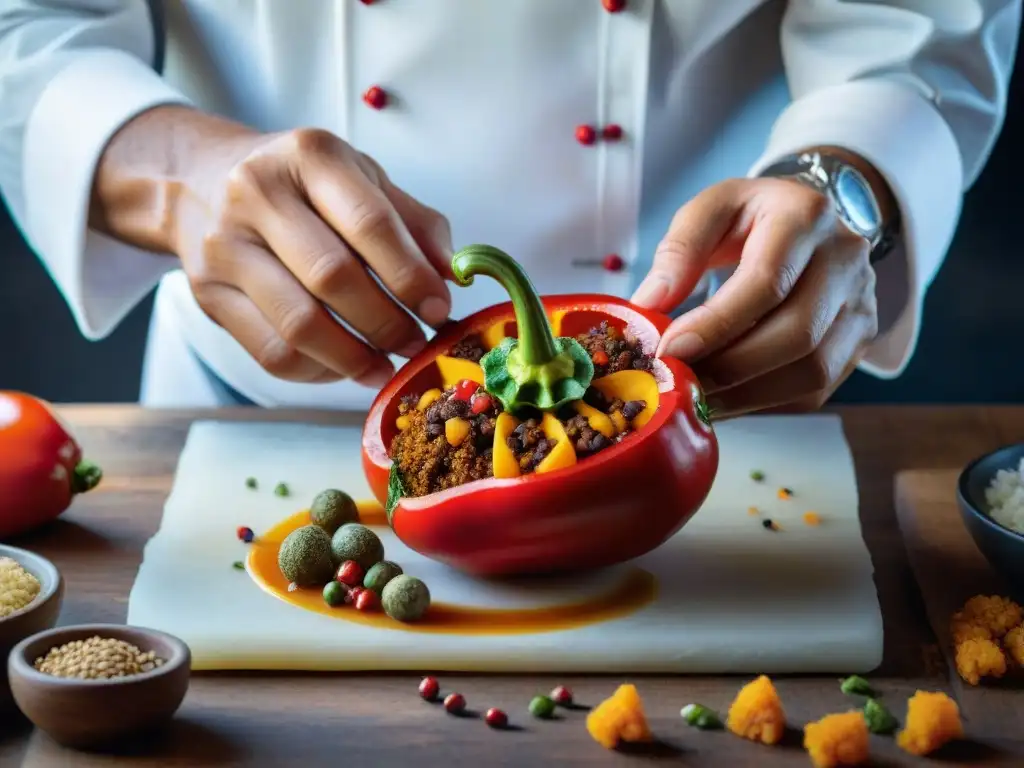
(82, 107)
(904, 137)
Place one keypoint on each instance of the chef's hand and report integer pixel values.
(277, 231)
(792, 322)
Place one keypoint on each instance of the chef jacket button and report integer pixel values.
(376, 97)
(611, 132)
(613, 262)
(613, 6)
(585, 134)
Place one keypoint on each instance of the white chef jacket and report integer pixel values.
(484, 99)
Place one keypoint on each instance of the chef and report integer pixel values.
(293, 176)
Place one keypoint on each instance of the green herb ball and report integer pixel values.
(357, 542)
(334, 594)
(380, 574)
(305, 556)
(331, 509)
(405, 598)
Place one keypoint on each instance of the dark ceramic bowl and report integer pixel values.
(1003, 547)
(91, 714)
(38, 615)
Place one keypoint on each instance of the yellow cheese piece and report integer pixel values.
(428, 398)
(505, 463)
(598, 421)
(456, 431)
(631, 385)
(562, 455)
(455, 369)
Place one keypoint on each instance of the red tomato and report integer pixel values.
(41, 466)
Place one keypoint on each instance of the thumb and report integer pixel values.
(695, 235)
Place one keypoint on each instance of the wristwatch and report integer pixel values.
(849, 192)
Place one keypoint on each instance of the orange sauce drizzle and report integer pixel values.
(637, 589)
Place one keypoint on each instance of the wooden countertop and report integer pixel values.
(376, 719)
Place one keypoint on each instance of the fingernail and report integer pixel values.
(434, 311)
(652, 290)
(413, 348)
(685, 346)
(377, 377)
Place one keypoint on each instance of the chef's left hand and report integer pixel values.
(792, 322)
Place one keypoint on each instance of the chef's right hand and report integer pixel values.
(276, 232)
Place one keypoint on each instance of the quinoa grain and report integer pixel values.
(97, 658)
(18, 587)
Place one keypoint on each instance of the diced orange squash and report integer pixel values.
(428, 398)
(631, 385)
(505, 463)
(619, 718)
(600, 422)
(456, 431)
(455, 369)
(403, 423)
(562, 455)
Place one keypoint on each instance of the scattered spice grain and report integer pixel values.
(18, 587)
(812, 519)
(97, 658)
(238, 565)
(785, 493)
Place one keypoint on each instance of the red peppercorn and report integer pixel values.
(376, 97)
(586, 135)
(481, 403)
(600, 357)
(429, 688)
(245, 533)
(353, 595)
(455, 703)
(562, 696)
(350, 573)
(367, 600)
(613, 262)
(613, 6)
(496, 718)
(611, 132)
(465, 389)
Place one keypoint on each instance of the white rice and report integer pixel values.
(1005, 496)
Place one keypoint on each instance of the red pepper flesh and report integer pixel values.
(41, 466)
(608, 508)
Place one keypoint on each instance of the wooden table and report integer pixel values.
(378, 720)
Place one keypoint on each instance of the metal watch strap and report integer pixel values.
(827, 174)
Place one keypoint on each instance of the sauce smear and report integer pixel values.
(636, 590)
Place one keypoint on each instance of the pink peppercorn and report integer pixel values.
(429, 688)
(496, 718)
(465, 389)
(245, 533)
(367, 600)
(455, 703)
(562, 696)
(353, 595)
(350, 573)
(481, 403)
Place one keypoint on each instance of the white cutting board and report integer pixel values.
(732, 596)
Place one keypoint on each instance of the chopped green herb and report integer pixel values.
(238, 565)
(250, 482)
(701, 717)
(756, 475)
(281, 489)
(855, 685)
(878, 718)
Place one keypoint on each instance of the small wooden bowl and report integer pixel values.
(38, 615)
(91, 714)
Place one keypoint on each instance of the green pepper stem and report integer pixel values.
(536, 341)
(85, 477)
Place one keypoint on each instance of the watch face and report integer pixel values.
(856, 198)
